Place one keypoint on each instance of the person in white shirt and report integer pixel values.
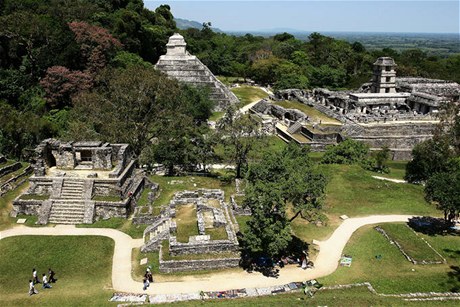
(45, 282)
(35, 277)
(32, 288)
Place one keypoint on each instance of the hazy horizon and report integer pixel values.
(370, 16)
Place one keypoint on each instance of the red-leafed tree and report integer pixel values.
(97, 45)
(61, 84)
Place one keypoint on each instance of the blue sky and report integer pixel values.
(360, 16)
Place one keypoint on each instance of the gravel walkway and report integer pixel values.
(326, 261)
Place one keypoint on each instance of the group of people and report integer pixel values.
(46, 280)
(148, 278)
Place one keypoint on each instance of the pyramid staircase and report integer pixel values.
(69, 207)
(189, 69)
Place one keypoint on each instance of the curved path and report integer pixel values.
(326, 261)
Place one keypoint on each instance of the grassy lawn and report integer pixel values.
(217, 233)
(352, 191)
(83, 267)
(216, 116)
(187, 224)
(242, 219)
(122, 224)
(309, 111)
(393, 273)
(34, 197)
(6, 163)
(5, 205)
(248, 94)
(170, 185)
(13, 174)
(138, 269)
(230, 80)
(412, 244)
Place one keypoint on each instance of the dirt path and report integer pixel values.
(389, 179)
(326, 261)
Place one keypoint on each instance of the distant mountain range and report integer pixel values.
(184, 24)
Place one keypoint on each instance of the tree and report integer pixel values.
(346, 152)
(126, 106)
(61, 85)
(238, 132)
(444, 189)
(268, 230)
(428, 158)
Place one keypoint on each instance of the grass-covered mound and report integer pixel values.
(83, 267)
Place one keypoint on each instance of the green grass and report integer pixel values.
(352, 191)
(6, 163)
(83, 267)
(217, 233)
(392, 273)
(109, 198)
(34, 197)
(6, 205)
(248, 94)
(144, 198)
(8, 176)
(230, 80)
(187, 224)
(242, 219)
(216, 116)
(412, 244)
(122, 224)
(311, 112)
(168, 188)
(139, 270)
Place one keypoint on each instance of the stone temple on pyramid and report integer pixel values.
(181, 65)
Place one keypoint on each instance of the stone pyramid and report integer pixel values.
(187, 68)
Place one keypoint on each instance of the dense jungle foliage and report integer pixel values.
(69, 69)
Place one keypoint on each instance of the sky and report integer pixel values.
(422, 16)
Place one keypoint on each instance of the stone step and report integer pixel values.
(68, 221)
(70, 197)
(72, 193)
(69, 210)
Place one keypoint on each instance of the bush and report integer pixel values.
(347, 152)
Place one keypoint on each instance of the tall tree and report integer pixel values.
(238, 132)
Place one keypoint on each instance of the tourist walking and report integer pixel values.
(34, 276)
(148, 274)
(45, 282)
(146, 283)
(32, 290)
(51, 276)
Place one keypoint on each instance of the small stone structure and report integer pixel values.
(166, 226)
(82, 181)
(181, 65)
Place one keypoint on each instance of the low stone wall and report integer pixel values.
(106, 210)
(210, 247)
(169, 266)
(26, 207)
(10, 168)
(16, 181)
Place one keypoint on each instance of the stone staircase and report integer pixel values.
(191, 70)
(67, 212)
(69, 207)
(295, 127)
(72, 189)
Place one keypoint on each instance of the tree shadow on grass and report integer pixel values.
(432, 226)
(454, 278)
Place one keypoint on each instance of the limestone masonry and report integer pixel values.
(79, 182)
(389, 111)
(181, 65)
